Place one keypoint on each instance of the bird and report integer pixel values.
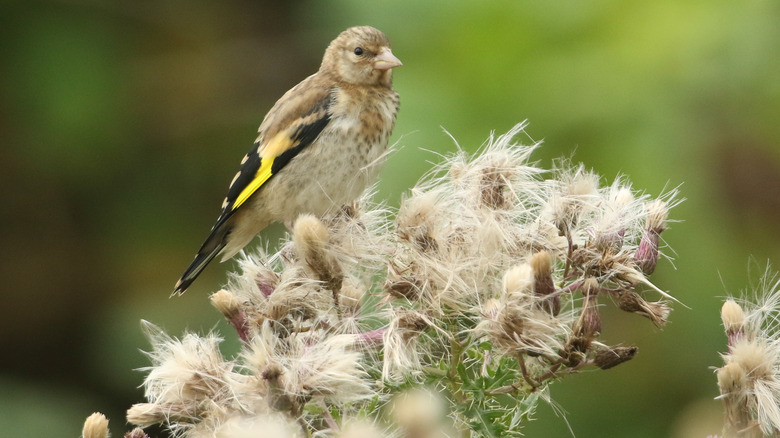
(318, 147)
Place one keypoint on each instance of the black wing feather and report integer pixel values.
(304, 135)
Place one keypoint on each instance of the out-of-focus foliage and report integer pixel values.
(122, 122)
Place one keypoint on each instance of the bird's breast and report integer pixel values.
(343, 160)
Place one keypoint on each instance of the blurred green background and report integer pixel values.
(122, 123)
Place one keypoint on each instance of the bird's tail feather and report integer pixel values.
(196, 267)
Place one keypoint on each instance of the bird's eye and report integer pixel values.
(358, 51)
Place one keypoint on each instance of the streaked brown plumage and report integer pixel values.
(318, 148)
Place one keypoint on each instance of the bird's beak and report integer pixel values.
(385, 60)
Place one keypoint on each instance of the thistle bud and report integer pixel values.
(622, 197)
(267, 280)
(609, 357)
(590, 312)
(567, 205)
(310, 235)
(416, 221)
(731, 378)
(757, 358)
(541, 263)
(146, 414)
(588, 326)
(311, 239)
(493, 188)
(608, 233)
(518, 281)
(733, 318)
(657, 312)
(512, 325)
(136, 433)
(351, 296)
(231, 307)
(609, 240)
(96, 426)
(646, 256)
(404, 287)
(733, 384)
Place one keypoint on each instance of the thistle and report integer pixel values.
(749, 380)
(484, 288)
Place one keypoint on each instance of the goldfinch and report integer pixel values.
(318, 147)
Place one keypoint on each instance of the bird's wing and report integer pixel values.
(294, 122)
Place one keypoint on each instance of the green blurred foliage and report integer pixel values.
(122, 122)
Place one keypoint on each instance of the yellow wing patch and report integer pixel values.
(268, 153)
(262, 175)
(277, 145)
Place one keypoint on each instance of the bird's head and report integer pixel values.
(361, 56)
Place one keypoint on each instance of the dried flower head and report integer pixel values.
(189, 382)
(95, 426)
(750, 379)
(233, 309)
(733, 318)
(136, 433)
(608, 357)
(311, 243)
(657, 311)
(517, 323)
(350, 302)
(657, 215)
(464, 224)
(254, 278)
(572, 192)
(614, 218)
(308, 365)
(417, 220)
(518, 282)
(485, 284)
(419, 413)
(146, 414)
(544, 285)
(400, 341)
(588, 325)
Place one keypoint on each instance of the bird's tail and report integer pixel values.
(211, 247)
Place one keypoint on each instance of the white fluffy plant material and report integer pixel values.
(464, 222)
(188, 383)
(307, 366)
(749, 381)
(492, 268)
